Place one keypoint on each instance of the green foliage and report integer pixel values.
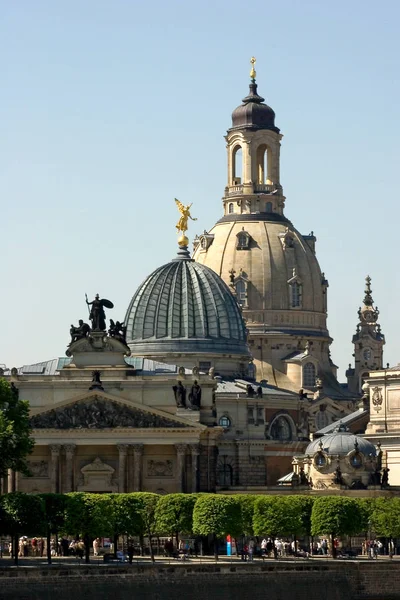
(174, 514)
(385, 518)
(23, 514)
(246, 503)
(89, 514)
(54, 506)
(15, 441)
(277, 515)
(218, 515)
(303, 505)
(146, 508)
(126, 515)
(336, 516)
(366, 507)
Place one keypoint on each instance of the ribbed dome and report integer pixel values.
(253, 114)
(341, 442)
(184, 307)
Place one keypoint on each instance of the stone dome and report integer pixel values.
(276, 253)
(253, 113)
(185, 307)
(341, 443)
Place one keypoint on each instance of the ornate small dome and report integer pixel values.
(253, 114)
(185, 307)
(341, 442)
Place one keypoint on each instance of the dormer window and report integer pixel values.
(309, 375)
(295, 295)
(295, 290)
(243, 240)
(241, 292)
(206, 239)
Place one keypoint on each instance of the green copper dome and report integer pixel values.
(185, 307)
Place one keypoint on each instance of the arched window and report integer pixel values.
(230, 208)
(224, 422)
(309, 375)
(243, 240)
(295, 294)
(224, 473)
(241, 292)
(264, 164)
(237, 165)
(251, 371)
(281, 429)
(203, 243)
(268, 207)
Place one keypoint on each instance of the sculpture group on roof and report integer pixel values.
(97, 316)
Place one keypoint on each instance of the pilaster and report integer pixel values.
(123, 453)
(195, 452)
(69, 467)
(180, 465)
(137, 466)
(55, 450)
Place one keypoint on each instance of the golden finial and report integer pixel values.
(182, 224)
(253, 71)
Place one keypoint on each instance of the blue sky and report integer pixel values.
(111, 109)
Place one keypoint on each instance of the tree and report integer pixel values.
(126, 517)
(246, 503)
(54, 507)
(277, 515)
(217, 515)
(90, 516)
(336, 516)
(15, 431)
(147, 524)
(385, 517)
(174, 514)
(23, 515)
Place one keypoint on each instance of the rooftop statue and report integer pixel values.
(96, 312)
(182, 224)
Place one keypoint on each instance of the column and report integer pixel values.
(69, 467)
(180, 464)
(195, 451)
(54, 468)
(10, 481)
(137, 466)
(123, 453)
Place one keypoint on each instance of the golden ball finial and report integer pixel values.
(253, 71)
(183, 241)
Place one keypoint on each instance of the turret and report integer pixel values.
(368, 342)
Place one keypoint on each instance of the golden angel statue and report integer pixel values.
(182, 224)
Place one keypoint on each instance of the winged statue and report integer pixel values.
(182, 224)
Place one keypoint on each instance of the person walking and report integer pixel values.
(251, 549)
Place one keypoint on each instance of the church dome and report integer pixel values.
(340, 443)
(184, 307)
(275, 256)
(253, 113)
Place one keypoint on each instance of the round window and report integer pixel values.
(356, 460)
(320, 460)
(225, 422)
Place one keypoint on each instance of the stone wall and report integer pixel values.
(308, 580)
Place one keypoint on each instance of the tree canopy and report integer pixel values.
(336, 516)
(16, 442)
(174, 514)
(276, 515)
(385, 517)
(217, 515)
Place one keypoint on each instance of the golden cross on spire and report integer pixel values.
(253, 71)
